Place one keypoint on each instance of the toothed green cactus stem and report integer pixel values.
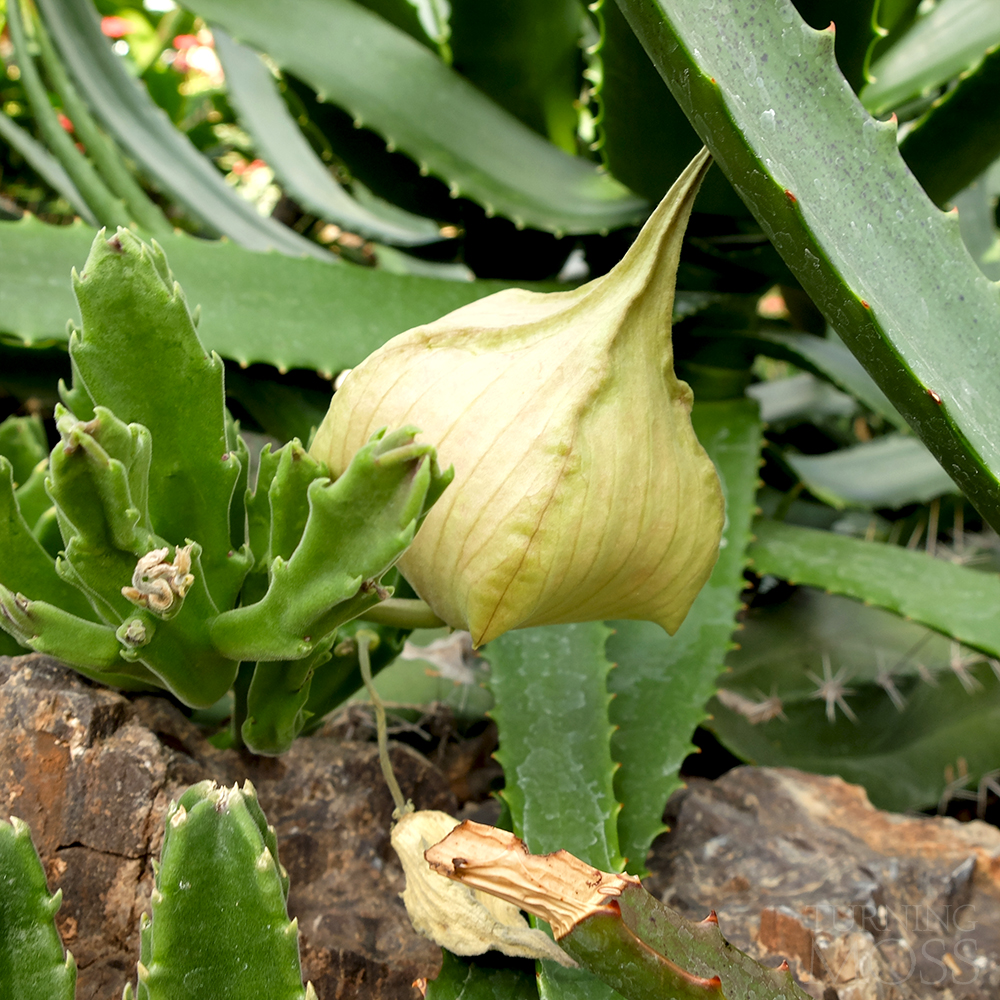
(276, 701)
(32, 963)
(127, 296)
(26, 566)
(288, 496)
(609, 923)
(23, 444)
(219, 923)
(97, 497)
(358, 526)
(338, 679)
(91, 648)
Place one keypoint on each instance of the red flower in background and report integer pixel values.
(115, 27)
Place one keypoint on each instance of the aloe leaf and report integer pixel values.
(959, 136)
(526, 57)
(949, 38)
(644, 138)
(254, 94)
(855, 20)
(661, 683)
(977, 217)
(32, 963)
(107, 209)
(550, 686)
(389, 82)
(917, 703)
(105, 155)
(829, 357)
(609, 923)
(890, 471)
(163, 153)
(802, 397)
(955, 600)
(482, 978)
(341, 315)
(830, 190)
(45, 165)
(428, 21)
(219, 920)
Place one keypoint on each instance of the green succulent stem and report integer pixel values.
(365, 639)
(404, 612)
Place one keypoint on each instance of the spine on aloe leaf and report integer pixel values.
(608, 922)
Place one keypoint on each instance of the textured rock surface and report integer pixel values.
(92, 773)
(865, 905)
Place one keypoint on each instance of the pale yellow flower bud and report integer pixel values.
(581, 491)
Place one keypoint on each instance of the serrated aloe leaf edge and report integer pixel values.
(952, 599)
(391, 83)
(255, 307)
(661, 683)
(829, 188)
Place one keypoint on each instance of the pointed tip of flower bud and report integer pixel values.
(581, 491)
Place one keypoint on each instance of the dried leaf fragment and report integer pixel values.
(459, 918)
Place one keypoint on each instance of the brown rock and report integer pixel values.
(92, 772)
(865, 905)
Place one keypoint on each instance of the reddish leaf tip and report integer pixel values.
(711, 919)
(865, 304)
(934, 396)
(791, 197)
(784, 966)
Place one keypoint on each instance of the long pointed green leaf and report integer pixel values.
(525, 56)
(45, 165)
(959, 137)
(483, 978)
(108, 210)
(103, 152)
(955, 600)
(661, 683)
(166, 156)
(254, 94)
(829, 188)
(890, 471)
(393, 84)
(550, 686)
(254, 306)
(829, 357)
(951, 36)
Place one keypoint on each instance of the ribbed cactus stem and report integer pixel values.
(32, 963)
(219, 924)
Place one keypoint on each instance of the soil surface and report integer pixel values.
(864, 905)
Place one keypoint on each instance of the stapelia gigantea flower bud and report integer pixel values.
(581, 491)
